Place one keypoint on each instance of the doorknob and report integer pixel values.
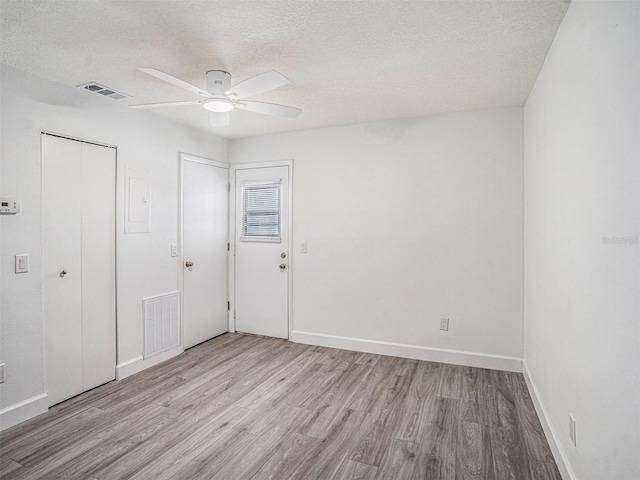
(63, 273)
(282, 266)
(283, 255)
(189, 264)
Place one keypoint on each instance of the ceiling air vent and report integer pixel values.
(104, 91)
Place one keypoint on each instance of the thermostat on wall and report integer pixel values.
(9, 206)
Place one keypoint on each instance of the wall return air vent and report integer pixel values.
(104, 91)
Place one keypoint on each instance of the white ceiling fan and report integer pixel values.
(220, 98)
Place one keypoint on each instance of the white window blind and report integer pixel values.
(261, 213)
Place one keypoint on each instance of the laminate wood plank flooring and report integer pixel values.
(473, 396)
(293, 451)
(420, 402)
(473, 452)
(350, 470)
(248, 407)
(181, 440)
(440, 441)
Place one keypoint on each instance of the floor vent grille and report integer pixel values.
(104, 91)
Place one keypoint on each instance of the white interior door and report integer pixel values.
(78, 202)
(61, 237)
(262, 251)
(204, 240)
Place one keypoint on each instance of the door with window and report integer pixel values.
(262, 261)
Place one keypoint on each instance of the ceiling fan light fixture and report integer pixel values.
(220, 99)
(218, 105)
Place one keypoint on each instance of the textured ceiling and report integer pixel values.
(348, 61)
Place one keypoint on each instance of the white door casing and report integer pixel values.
(204, 245)
(78, 211)
(262, 265)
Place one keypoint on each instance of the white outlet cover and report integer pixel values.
(444, 324)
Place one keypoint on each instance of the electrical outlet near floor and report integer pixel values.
(444, 324)
(572, 429)
(1, 372)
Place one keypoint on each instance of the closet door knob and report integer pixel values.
(63, 273)
(189, 264)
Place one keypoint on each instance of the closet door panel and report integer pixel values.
(61, 204)
(98, 265)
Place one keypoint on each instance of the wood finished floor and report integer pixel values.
(247, 407)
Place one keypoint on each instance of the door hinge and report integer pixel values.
(228, 247)
(228, 305)
(228, 187)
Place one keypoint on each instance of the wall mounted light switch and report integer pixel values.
(22, 263)
(572, 429)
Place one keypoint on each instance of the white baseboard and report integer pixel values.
(552, 437)
(39, 404)
(18, 413)
(137, 364)
(456, 357)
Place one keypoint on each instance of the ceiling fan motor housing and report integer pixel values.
(218, 81)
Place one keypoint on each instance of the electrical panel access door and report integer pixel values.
(78, 211)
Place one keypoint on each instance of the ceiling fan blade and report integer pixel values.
(173, 81)
(258, 84)
(219, 119)
(166, 104)
(269, 109)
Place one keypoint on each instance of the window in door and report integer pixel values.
(261, 212)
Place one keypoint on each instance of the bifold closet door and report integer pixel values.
(61, 236)
(98, 265)
(78, 203)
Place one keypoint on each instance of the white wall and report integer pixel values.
(408, 221)
(145, 267)
(582, 184)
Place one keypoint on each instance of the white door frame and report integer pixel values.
(232, 237)
(187, 157)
